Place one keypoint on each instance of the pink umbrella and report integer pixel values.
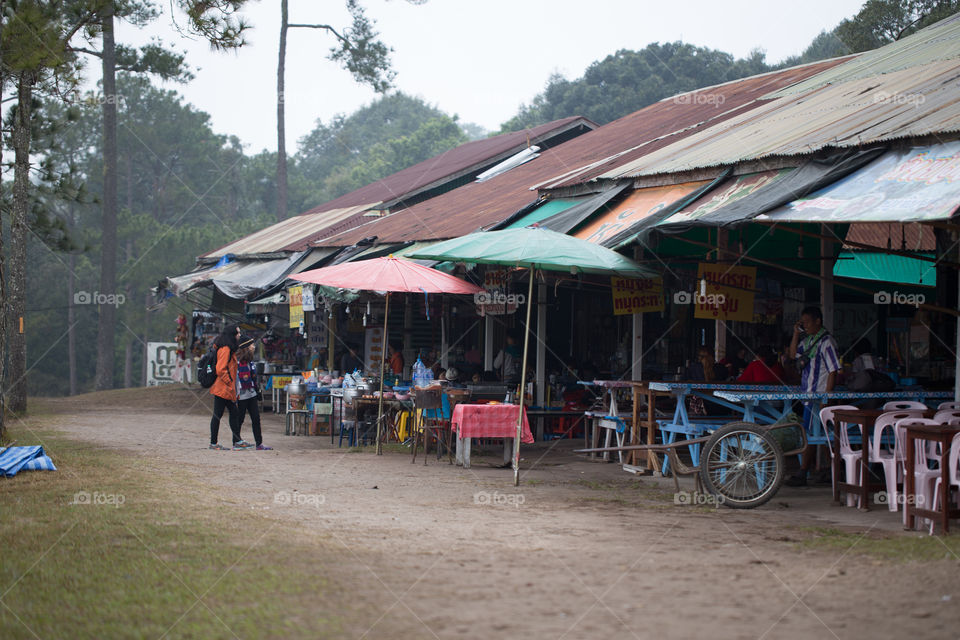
(387, 274)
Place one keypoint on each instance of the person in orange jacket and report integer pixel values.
(224, 389)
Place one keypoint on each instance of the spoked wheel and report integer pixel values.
(742, 465)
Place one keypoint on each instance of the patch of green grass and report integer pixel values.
(108, 546)
(388, 447)
(905, 548)
(599, 485)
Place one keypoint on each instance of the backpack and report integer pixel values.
(207, 368)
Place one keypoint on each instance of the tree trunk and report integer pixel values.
(128, 365)
(106, 325)
(3, 276)
(18, 240)
(71, 306)
(146, 338)
(71, 321)
(281, 127)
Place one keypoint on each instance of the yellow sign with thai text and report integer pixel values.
(296, 306)
(635, 295)
(728, 294)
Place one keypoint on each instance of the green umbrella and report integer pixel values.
(532, 248)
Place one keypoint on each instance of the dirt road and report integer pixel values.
(579, 550)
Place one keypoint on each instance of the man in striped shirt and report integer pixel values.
(817, 351)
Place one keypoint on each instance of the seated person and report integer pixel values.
(705, 369)
(864, 359)
(453, 379)
(765, 369)
(735, 363)
(350, 360)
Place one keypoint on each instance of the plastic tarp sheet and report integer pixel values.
(577, 214)
(747, 198)
(13, 460)
(886, 267)
(239, 279)
(637, 207)
(548, 209)
(701, 211)
(907, 185)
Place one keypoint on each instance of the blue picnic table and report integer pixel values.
(765, 407)
(761, 404)
(681, 424)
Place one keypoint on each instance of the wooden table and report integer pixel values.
(943, 435)
(865, 419)
(643, 390)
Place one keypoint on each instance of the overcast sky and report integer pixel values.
(478, 60)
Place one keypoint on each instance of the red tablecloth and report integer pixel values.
(489, 421)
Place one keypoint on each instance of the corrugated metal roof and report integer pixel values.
(915, 102)
(292, 234)
(907, 237)
(933, 44)
(477, 205)
(867, 265)
(463, 160)
(348, 211)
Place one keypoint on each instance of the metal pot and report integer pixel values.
(350, 394)
(296, 388)
(366, 386)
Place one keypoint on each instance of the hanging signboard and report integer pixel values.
(296, 306)
(373, 348)
(496, 300)
(728, 294)
(636, 295)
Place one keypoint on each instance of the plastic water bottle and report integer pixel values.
(418, 371)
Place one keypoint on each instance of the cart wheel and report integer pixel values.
(742, 464)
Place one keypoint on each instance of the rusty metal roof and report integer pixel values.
(359, 206)
(907, 237)
(461, 161)
(477, 205)
(910, 103)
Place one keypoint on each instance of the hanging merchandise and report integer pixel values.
(181, 371)
(307, 299)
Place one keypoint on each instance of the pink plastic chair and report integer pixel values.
(851, 457)
(924, 476)
(944, 416)
(900, 405)
(890, 454)
(948, 405)
(954, 471)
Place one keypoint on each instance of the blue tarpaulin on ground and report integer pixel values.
(16, 459)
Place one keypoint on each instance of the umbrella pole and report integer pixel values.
(383, 358)
(523, 384)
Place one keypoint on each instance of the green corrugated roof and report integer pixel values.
(544, 211)
(866, 265)
(933, 44)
